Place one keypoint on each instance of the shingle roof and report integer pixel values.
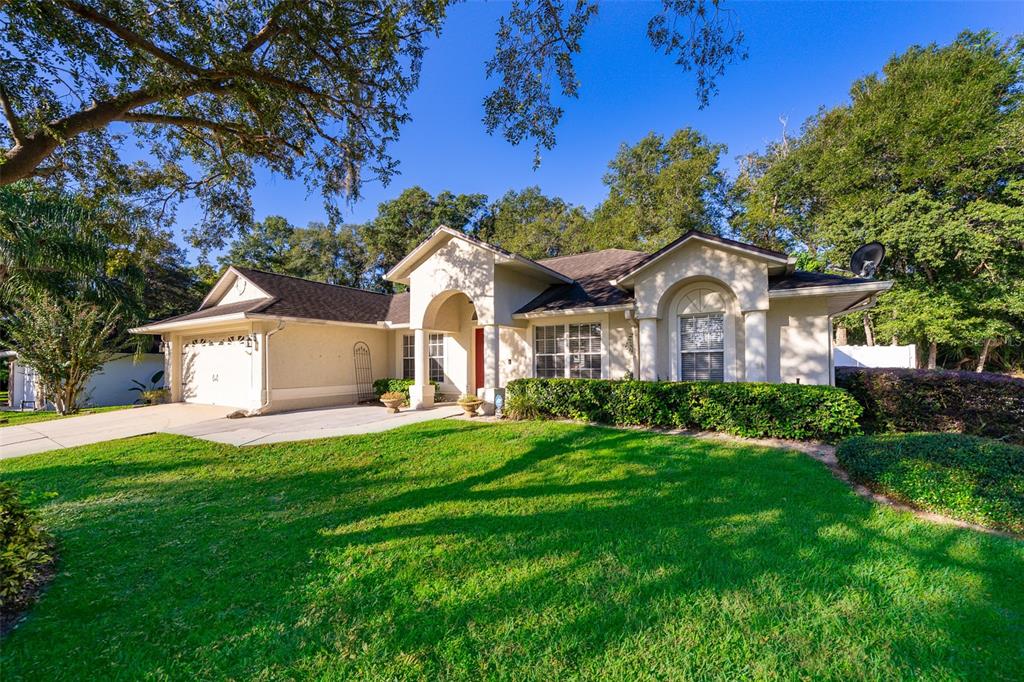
(216, 311)
(295, 297)
(800, 279)
(593, 273)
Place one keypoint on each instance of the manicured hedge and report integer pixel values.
(906, 400)
(382, 386)
(745, 409)
(966, 477)
(26, 550)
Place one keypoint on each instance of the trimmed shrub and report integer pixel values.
(969, 478)
(906, 400)
(792, 411)
(382, 386)
(25, 552)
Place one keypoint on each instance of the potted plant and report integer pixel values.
(470, 404)
(392, 399)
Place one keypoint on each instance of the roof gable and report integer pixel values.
(710, 239)
(444, 234)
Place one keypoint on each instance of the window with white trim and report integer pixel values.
(572, 351)
(702, 347)
(435, 355)
(408, 356)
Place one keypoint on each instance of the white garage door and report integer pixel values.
(217, 370)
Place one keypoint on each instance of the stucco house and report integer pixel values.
(475, 317)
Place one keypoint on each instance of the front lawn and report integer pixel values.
(461, 550)
(12, 418)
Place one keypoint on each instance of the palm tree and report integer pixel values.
(51, 245)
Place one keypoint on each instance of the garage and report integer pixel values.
(218, 370)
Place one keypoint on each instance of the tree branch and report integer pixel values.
(12, 120)
(224, 128)
(132, 38)
(165, 119)
(269, 31)
(22, 160)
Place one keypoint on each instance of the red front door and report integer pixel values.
(478, 358)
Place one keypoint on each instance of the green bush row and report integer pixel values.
(753, 410)
(382, 386)
(911, 400)
(25, 549)
(966, 477)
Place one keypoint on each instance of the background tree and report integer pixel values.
(405, 221)
(534, 225)
(50, 244)
(264, 246)
(316, 90)
(66, 341)
(658, 189)
(927, 158)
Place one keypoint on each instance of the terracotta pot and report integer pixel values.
(392, 405)
(469, 407)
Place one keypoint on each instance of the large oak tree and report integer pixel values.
(306, 88)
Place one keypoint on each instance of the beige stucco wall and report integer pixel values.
(746, 277)
(798, 341)
(496, 290)
(312, 364)
(241, 289)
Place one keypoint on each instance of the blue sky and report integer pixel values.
(802, 55)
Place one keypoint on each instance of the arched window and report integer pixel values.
(702, 329)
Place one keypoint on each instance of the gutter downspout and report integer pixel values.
(266, 371)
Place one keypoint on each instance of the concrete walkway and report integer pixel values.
(306, 424)
(208, 422)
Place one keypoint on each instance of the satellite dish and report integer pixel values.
(865, 261)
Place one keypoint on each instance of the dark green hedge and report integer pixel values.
(792, 411)
(382, 386)
(907, 400)
(966, 477)
(25, 551)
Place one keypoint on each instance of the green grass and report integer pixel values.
(461, 550)
(9, 418)
(970, 478)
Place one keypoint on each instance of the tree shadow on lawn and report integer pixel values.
(512, 551)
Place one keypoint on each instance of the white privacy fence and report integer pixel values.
(875, 356)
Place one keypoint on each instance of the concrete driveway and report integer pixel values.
(207, 422)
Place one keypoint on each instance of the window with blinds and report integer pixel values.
(702, 347)
(585, 351)
(572, 351)
(549, 351)
(408, 356)
(435, 355)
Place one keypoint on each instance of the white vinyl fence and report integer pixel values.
(875, 356)
(111, 385)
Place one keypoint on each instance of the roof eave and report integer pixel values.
(832, 289)
(584, 310)
(160, 327)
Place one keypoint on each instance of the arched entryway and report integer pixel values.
(468, 363)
